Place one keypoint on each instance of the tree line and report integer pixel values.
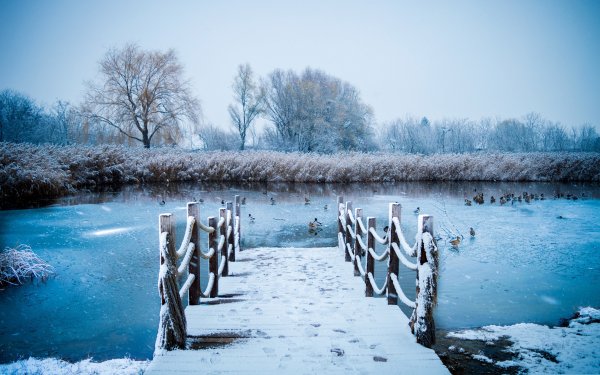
(143, 98)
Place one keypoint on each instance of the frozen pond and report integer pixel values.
(532, 262)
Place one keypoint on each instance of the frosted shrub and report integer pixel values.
(36, 171)
(20, 264)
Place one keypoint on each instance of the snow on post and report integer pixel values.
(422, 323)
(341, 229)
(393, 263)
(213, 262)
(224, 215)
(357, 248)
(172, 324)
(371, 223)
(237, 226)
(230, 234)
(348, 235)
(194, 266)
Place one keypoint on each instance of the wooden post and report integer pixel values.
(357, 249)
(223, 232)
(238, 223)
(340, 200)
(393, 264)
(213, 262)
(422, 324)
(230, 240)
(172, 332)
(194, 267)
(371, 223)
(348, 236)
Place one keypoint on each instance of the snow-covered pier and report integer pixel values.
(298, 310)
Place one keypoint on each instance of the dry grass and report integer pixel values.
(34, 171)
(20, 264)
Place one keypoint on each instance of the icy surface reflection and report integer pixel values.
(529, 262)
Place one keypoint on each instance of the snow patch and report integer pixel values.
(54, 366)
(543, 349)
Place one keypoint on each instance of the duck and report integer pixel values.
(325, 207)
(417, 211)
(467, 202)
(252, 218)
(222, 202)
(272, 201)
(492, 200)
(472, 232)
(162, 202)
(243, 201)
(502, 200)
(306, 200)
(455, 242)
(314, 224)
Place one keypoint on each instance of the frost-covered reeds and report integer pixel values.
(33, 171)
(20, 264)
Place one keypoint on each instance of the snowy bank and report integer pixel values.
(33, 171)
(121, 366)
(542, 349)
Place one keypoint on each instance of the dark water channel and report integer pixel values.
(533, 262)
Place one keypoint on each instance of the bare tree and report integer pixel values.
(140, 94)
(248, 102)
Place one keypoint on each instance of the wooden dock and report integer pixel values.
(298, 311)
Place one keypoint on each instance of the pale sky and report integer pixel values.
(440, 59)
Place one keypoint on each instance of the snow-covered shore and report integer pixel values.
(574, 349)
(121, 366)
(34, 171)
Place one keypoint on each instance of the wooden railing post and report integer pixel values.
(229, 240)
(393, 264)
(340, 201)
(213, 262)
(223, 232)
(172, 325)
(371, 223)
(357, 248)
(237, 221)
(348, 236)
(194, 266)
(422, 323)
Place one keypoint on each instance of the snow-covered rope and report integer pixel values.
(360, 268)
(361, 243)
(382, 241)
(352, 233)
(222, 265)
(186, 260)
(221, 222)
(221, 243)
(341, 244)
(351, 217)
(361, 225)
(411, 251)
(349, 250)
(208, 254)
(378, 257)
(205, 228)
(229, 229)
(229, 249)
(342, 220)
(209, 286)
(400, 292)
(407, 263)
(186, 237)
(186, 286)
(377, 290)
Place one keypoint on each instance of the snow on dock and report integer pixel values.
(296, 310)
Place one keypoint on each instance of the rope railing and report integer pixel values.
(223, 242)
(351, 231)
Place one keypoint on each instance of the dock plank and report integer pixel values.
(297, 311)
